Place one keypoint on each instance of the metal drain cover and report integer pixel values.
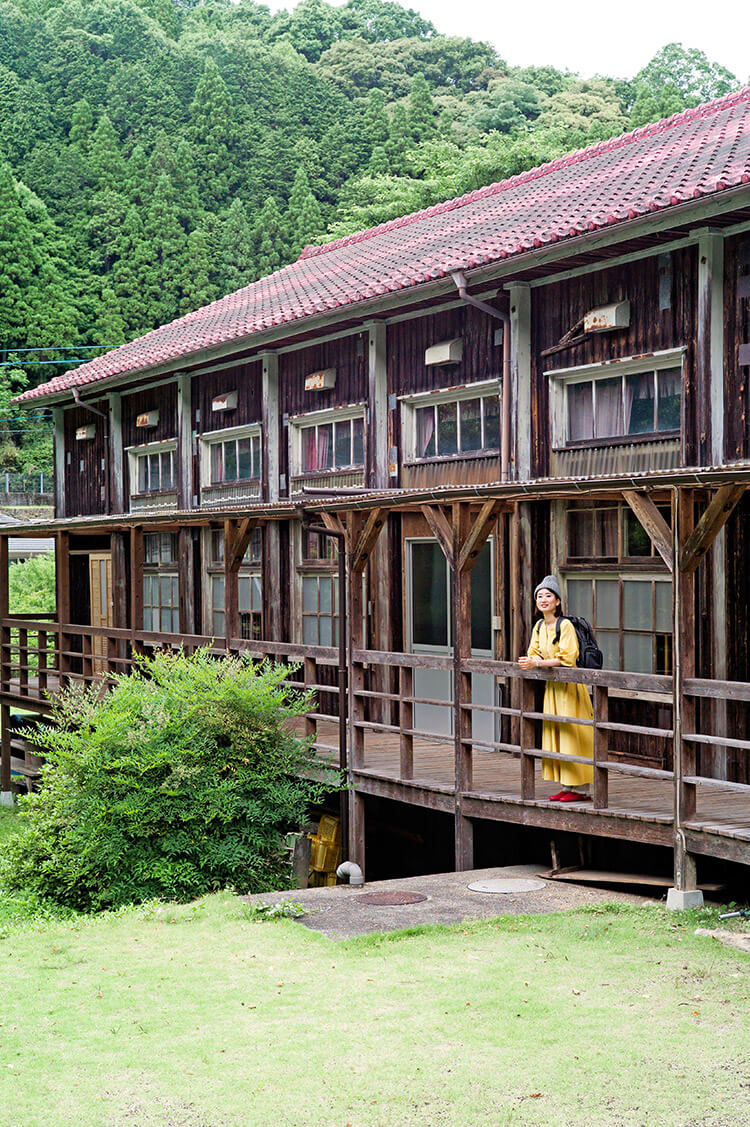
(507, 885)
(390, 899)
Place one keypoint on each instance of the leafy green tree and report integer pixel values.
(213, 133)
(31, 585)
(167, 249)
(382, 21)
(181, 780)
(672, 100)
(196, 286)
(110, 326)
(645, 108)
(376, 118)
(311, 28)
(421, 110)
(687, 69)
(399, 138)
(81, 125)
(304, 220)
(234, 265)
(269, 238)
(105, 159)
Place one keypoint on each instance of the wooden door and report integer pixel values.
(100, 586)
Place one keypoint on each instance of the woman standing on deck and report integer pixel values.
(561, 699)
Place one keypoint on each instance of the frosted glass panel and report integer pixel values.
(256, 593)
(637, 653)
(325, 596)
(609, 644)
(310, 594)
(326, 632)
(636, 606)
(664, 607)
(243, 594)
(581, 598)
(607, 603)
(310, 631)
(217, 592)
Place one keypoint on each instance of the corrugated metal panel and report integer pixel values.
(352, 480)
(213, 496)
(452, 472)
(640, 457)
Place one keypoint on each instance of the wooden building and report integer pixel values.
(364, 463)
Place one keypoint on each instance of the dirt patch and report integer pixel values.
(740, 940)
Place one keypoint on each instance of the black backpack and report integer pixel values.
(589, 654)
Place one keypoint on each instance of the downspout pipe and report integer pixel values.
(499, 315)
(102, 415)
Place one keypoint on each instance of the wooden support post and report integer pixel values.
(406, 722)
(184, 442)
(357, 828)
(309, 676)
(136, 586)
(653, 524)
(273, 594)
(58, 416)
(684, 708)
(462, 719)
(601, 747)
(116, 455)
(186, 566)
(62, 585)
(356, 642)
(520, 389)
(527, 738)
(709, 350)
(231, 585)
(6, 794)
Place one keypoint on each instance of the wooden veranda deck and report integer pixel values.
(639, 809)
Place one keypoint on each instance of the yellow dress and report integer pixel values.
(564, 700)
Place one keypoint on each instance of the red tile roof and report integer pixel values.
(693, 154)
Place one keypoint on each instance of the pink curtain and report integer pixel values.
(324, 446)
(425, 429)
(309, 460)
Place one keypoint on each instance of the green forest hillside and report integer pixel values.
(156, 154)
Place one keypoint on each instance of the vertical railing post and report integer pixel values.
(355, 524)
(309, 669)
(406, 721)
(87, 663)
(527, 738)
(231, 586)
(601, 747)
(23, 661)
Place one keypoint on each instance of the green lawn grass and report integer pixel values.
(200, 1016)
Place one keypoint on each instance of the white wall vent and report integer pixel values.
(85, 433)
(607, 317)
(446, 352)
(147, 419)
(225, 402)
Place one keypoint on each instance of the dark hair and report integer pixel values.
(558, 608)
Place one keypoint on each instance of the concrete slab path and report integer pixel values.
(339, 912)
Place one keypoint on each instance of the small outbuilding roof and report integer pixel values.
(693, 154)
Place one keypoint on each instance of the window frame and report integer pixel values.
(159, 569)
(411, 404)
(562, 379)
(209, 439)
(298, 424)
(146, 450)
(251, 568)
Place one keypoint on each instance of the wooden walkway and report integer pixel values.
(639, 809)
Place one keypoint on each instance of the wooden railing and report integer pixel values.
(38, 656)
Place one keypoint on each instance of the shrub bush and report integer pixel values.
(181, 780)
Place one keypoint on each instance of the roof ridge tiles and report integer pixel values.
(566, 161)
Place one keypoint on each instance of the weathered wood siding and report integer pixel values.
(649, 285)
(162, 399)
(348, 356)
(85, 474)
(737, 334)
(245, 379)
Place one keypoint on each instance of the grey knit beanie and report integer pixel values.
(549, 583)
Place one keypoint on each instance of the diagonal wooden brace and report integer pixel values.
(477, 536)
(237, 541)
(361, 550)
(441, 529)
(720, 508)
(653, 522)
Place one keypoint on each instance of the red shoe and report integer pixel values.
(556, 797)
(571, 796)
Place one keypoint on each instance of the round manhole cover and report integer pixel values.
(390, 899)
(508, 885)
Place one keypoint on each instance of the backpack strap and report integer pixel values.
(558, 627)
